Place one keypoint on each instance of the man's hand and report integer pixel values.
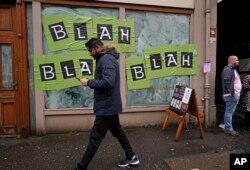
(84, 81)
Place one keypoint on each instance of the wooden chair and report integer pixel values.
(182, 121)
(181, 118)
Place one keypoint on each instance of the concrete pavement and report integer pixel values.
(155, 148)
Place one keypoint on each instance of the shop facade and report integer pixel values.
(155, 24)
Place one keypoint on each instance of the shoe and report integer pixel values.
(133, 161)
(232, 133)
(221, 125)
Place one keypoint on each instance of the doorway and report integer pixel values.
(14, 112)
(233, 38)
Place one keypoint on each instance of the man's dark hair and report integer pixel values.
(93, 42)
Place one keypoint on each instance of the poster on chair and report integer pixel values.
(180, 99)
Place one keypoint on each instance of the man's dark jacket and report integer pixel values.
(227, 80)
(106, 84)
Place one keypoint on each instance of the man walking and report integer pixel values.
(231, 90)
(107, 103)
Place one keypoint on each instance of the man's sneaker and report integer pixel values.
(222, 126)
(232, 133)
(133, 161)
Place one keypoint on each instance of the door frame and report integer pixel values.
(24, 79)
(18, 34)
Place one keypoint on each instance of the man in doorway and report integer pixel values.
(107, 103)
(231, 90)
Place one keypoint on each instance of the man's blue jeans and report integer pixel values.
(230, 106)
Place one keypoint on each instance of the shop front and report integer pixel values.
(161, 45)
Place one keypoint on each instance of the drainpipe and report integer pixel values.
(207, 58)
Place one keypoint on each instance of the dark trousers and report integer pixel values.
(101, 126)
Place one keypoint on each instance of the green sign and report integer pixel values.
(54, 72)
(64, 31)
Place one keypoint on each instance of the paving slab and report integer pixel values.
(155, 148)
(204, 161)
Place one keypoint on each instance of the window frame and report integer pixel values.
(122, 12)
